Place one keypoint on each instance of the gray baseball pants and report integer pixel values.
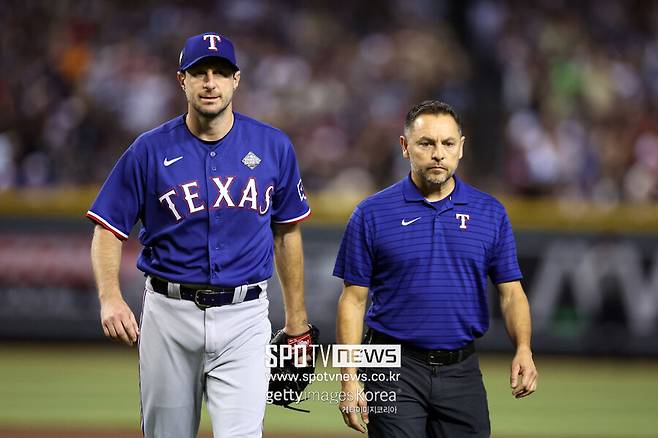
(186, 353)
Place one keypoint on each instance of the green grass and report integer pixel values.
(579, 398)
(97, 387)
(68, 386)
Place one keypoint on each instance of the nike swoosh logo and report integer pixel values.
(168, 163)
(406, 222)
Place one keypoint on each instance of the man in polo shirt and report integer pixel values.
(424, 248)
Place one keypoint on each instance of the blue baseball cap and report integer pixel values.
(206, 45)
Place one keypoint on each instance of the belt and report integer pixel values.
(430, 357)
(207, 296)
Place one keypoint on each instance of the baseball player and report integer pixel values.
(424, 248)
(219, 198)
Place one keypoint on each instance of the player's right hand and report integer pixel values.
(118, 321)
(353, 406)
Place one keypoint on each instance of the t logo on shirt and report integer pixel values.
(463, 218)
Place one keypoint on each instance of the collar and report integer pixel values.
(411, 193)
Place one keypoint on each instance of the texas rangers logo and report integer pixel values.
(251, 160)
(463, 218)
(213, 39)
(300, 191)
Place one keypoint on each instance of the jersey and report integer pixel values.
(205, 207)
(426, 264)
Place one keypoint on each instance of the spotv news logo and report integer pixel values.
(337, 355)
(365, 356)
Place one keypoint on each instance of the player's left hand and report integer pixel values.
(301, 334)
(523, 375)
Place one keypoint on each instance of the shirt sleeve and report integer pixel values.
(118, 204)
(355, 256)
(504, 265)
(289, 203)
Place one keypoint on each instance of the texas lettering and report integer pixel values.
(185, 198)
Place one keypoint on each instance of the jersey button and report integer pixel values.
(213, 153)
(213, 168)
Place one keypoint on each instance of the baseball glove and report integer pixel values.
(291, 377)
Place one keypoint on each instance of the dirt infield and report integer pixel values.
(129, 433)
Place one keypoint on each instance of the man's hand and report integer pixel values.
(523, 375)
(354, 407)
(118, 320)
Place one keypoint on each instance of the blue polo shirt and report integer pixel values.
(426, 264)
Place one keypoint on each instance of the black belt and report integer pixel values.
(205, 296)
(430, 357)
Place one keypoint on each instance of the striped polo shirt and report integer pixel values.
(426, 264)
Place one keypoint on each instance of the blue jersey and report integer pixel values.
(205, 207)
(426, 264)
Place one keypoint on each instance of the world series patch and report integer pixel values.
(251, 160)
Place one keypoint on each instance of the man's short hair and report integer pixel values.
(431, 107)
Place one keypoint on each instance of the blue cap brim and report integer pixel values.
(194, 61)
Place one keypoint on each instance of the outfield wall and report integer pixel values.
(590, 291)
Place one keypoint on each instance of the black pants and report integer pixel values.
(430, 401)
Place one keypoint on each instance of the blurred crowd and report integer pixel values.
(573, 90)
(580, 95)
